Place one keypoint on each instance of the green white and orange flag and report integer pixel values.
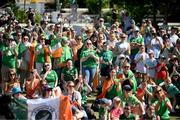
(56, 48)
(58, 108)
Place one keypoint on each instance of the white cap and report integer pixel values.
(151, 51)
(121, 56)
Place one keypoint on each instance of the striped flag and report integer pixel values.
(58, 108)
(56, 49)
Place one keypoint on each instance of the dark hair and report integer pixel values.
(109, 69)
(165, 36)
(76, 81)
(127, 82)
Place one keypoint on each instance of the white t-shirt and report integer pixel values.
(173, 39)
(140, 66)
(156, 46)
(122, 47)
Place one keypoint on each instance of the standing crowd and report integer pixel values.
(135, 70)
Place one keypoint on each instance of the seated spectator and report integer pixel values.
(17, 93)
(116, 109)
(171, 91)
(127, 115)
(150, 113)
(162, 104)
(32, 85)
(161, 69)
(82, 86)
(128, 97)
(49, 76)
(11, 82)
(69, 73)
(75, 99)
(104, 108)
(111, 86)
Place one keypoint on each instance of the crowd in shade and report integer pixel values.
(133, 71)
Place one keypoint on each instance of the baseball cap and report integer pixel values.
(174, 57)
(64, 39)
(16, 90)
(121, 56)
(136, 29)
(116, 99)
(150, 51)
(105, 101)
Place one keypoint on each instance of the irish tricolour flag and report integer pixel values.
(56, 48)
(42, 109)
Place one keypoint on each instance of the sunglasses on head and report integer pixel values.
(70, 85)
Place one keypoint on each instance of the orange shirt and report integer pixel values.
(32, 87)
(106, 85)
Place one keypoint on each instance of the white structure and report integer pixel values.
(37, 5)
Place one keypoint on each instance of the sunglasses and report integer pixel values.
(127, 108)
(127, 90)
(159, 91)
(12, 74)
(126, 67)
(46, 65)
(89, 43)
(70, 85)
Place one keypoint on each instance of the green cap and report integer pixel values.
(64, 39)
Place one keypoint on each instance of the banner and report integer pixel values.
(42, 109)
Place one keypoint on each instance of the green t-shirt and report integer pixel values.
(19, 108)
(103, 114)
(90, 62)
(66, 54)
(21, 49)
(139, 40)
(84, 94)
(40, 58)
(112, 92)
(69, 74)
(2, 47)
(131, 77)
(107, 56)
(130, 117)
(163, 111)
(132, 100)
(9, 58)
(172, 90)
(51, 78)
